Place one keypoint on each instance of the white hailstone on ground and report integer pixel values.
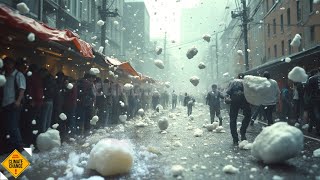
(177, 144)
(128, 86)
(63, 116)
(191, 118)
(55, 126)
(194, 80)
(167, 84)
(100, 50)
(240, 52)
(296, 41)
(230, 169)
(316, 153)
(116, 22)
(276, 177)
(298, 74)
(100, 23)
(94, 71)
(121, 103)
(158, 50)
(111, 157)
(270, 143)
(219, 129)
(69, 86)
(141, 112)
(197, 132)
(31, 37)
(245, 145)
(1, 63)
(159, 64)
(201, 65)
(256, 88)
(206, 37)
(35, 132)
(29, 73)
(123, 118)
(192, 52)
(163, 123)
(34, 122)
(177, 170)
(48, 140)
(94, 120)
(2, 80)
(23, 8)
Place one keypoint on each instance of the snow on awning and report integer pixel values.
(125, 66)
(13, 19)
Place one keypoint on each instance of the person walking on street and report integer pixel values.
(238, 101)
(272, 97)
(174, 99)
(213, 100)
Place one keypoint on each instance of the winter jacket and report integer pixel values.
(312, 91)
(213, 99)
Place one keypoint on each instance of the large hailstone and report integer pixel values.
(23, 8)
(94, 71)
(31, 37)
(296, 41)
(201, 65)
(128, 86)
(69, 86)
(298, 74)
(2, 80)
(277, 143)
(163, 124)
(206, 37)
(240, 52)
(48, 140)
(194, 80)
(94, 120)
(192, 52)
(111, 157)
(159, 64)
(158, 50)
(63, 116)
(100, 23)
(256, 88)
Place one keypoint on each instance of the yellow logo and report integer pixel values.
(15, 163)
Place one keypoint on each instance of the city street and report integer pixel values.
(155, 153)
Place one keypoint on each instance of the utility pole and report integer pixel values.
(217, 60)
(245, 20)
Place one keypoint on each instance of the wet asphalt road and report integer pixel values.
(202, 157)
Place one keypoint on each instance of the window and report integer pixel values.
(312, 33)
(281, 21)
(268, 25)
(269, 53)
(275, 51)
(274, 26)
(288, 16)
(289, 47)
(282, 48)
(311, 5)
(298, 11)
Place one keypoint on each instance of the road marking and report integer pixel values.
(316, 139)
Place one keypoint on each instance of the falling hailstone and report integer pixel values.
(159, 64)
(298, 74)
(100, 23)
(201, 65)
(100, 50)
(206, 37)
(116, 22)
(63, 116)
(94, 120)
(31, 37)
(296, 41)
(29, 73)
(55, 126)
(2, 80)
(69, 86)
(23, 8)
(194, 80)
(158, 50)
(192, 52)
(128, 87)
(240, 52)
(94, 71)
(167, 84)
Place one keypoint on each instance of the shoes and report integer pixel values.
(235, 142)
(252, 122)
(243, 137)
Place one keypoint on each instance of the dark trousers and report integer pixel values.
(46, 115)
(84, 116)
(189, 110)
(285, 111)
(315, 117)
(10, 129)
(268, 110)
(234, 110)
(258, 112)
(215, 111)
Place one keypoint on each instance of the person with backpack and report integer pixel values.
(86, 99)
(11, 102)
(213, 100)
(237, 101)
